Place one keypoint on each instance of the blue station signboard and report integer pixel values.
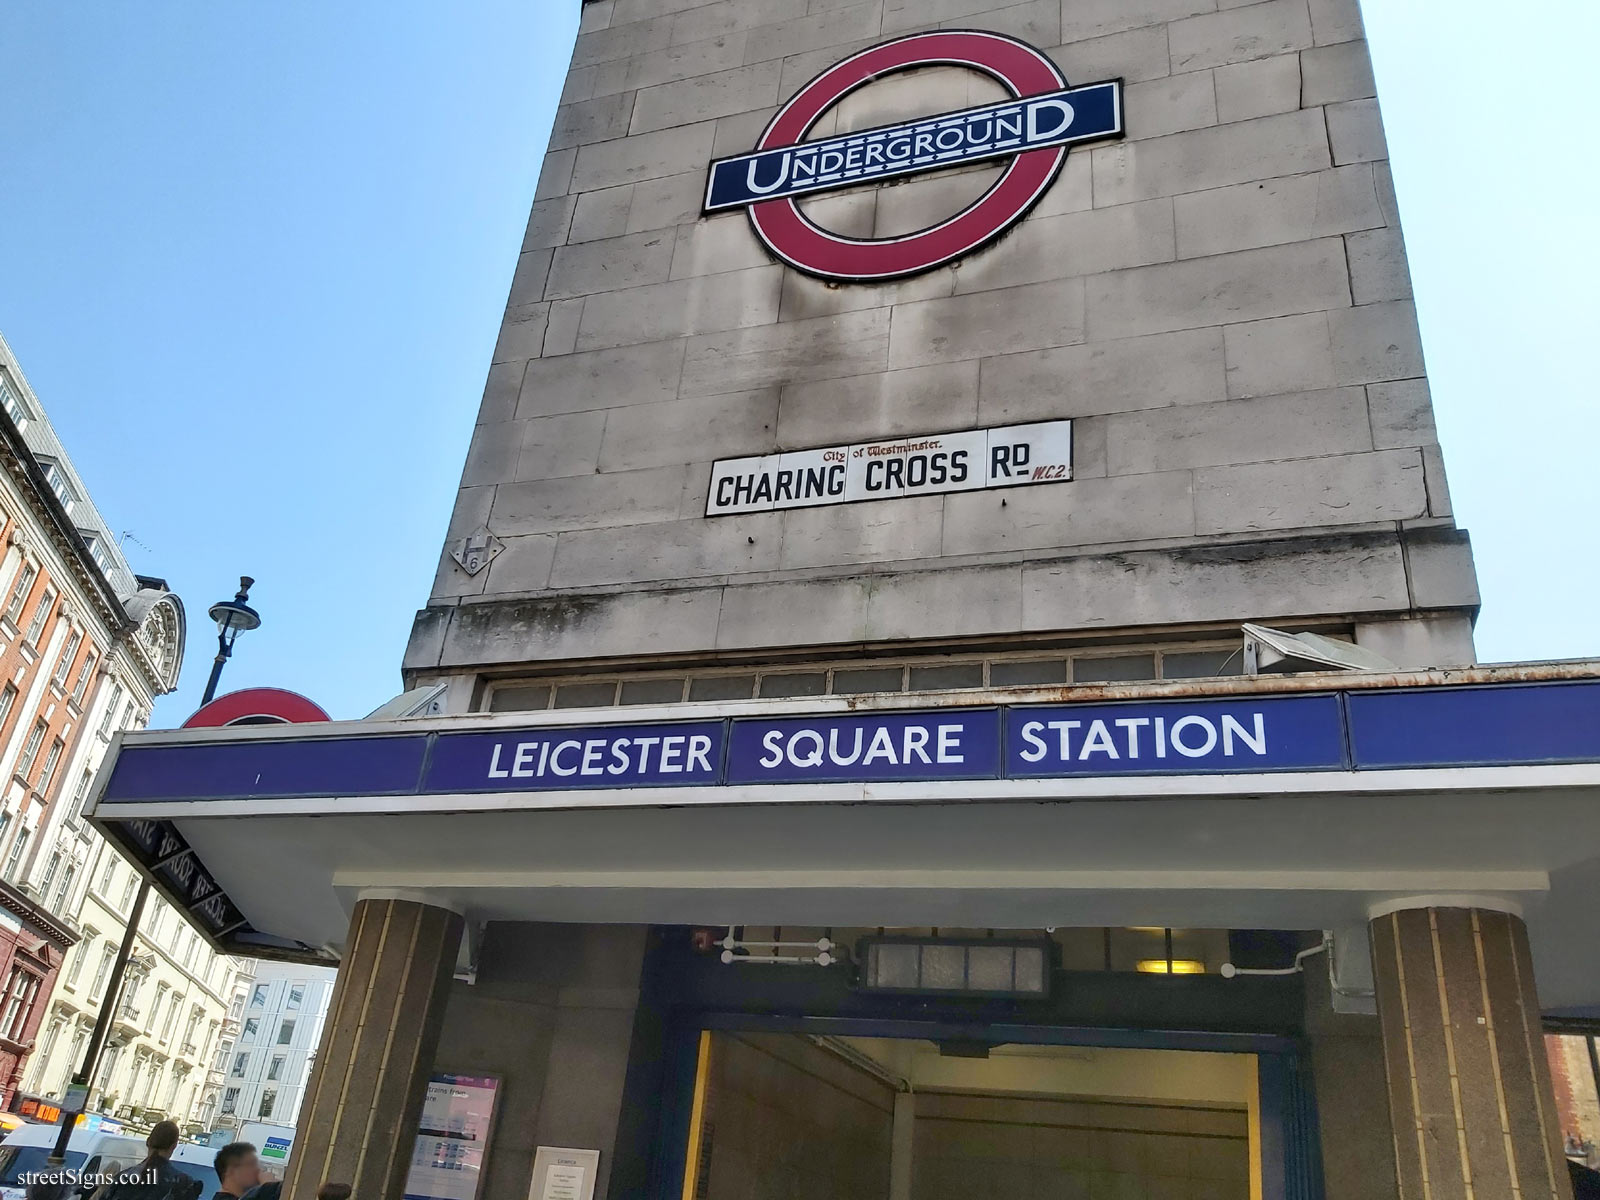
(1494, 725)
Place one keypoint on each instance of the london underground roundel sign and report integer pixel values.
(1031, 131)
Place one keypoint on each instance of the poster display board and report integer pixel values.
(452, 1138)
(561, 1173)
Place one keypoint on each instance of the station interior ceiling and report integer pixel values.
(908, 1119)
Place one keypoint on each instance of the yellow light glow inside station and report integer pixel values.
(1178, 966)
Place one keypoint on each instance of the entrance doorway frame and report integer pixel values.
(1286, 1159)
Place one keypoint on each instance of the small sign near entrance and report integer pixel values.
(920, 465)
(563, 1174)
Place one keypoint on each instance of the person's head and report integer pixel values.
(163, 1139)
(334, 1191)
(238, 1168)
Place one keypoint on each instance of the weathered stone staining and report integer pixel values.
(1238, 245)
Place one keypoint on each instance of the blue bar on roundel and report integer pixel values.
(936, 142)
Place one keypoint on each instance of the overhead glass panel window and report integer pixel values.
(1120, 669)
(722, 687)
(1028, 672)
(794, 683)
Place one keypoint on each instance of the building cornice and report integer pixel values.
(23, 467)
(34, 914)
(54, 521)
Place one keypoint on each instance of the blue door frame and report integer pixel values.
(1291, 1156)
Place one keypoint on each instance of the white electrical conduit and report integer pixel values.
(823, 958)
(1228, 970)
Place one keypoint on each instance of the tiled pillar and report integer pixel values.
(1469, 1084)
(358, 1121)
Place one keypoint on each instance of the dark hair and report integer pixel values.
(230, 1154)
(163, 1136)
(334, 1191)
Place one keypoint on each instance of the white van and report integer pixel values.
(92, 1150)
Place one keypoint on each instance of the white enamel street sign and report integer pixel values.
(919, 465)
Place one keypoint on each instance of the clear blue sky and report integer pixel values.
(255, 256)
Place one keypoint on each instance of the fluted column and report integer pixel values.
(358, 1120)
(1469, 1085)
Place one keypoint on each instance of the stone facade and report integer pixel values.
(1221, 302)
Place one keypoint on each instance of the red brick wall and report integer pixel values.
(40, 959)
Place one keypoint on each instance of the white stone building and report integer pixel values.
(268, 1064)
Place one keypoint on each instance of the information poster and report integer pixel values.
(452, 1138)
(564, 1173)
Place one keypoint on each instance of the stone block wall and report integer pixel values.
(1221, 302)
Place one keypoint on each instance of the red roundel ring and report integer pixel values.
(256, 706)
(802, 244)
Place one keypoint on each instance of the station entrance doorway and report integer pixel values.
(780, 1115)
(1079, 1063)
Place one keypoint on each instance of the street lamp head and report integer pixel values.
(234, 617)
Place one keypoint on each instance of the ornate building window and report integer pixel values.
(20, 590)
(14, 406)
(56, 476)
(81, 685)
(69, 653)
(41, 614)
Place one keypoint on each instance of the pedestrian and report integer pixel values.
(334, 1191)
(238, 1170)
(155, 1178)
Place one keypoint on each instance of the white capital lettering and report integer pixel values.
(882, 746)
(761, 189)
(1064, 728)
(1231, 729)
(1035, 133)
(1097, 739)
(950, 744)
(833, 748)
(619, 757)
(555, 758)
(496, 771)
(772, 743)
(814, 759)
(1131, 724)
(1036, 747)
(519, 764)
(1205, 747)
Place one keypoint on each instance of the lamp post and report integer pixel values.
(233, 617)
